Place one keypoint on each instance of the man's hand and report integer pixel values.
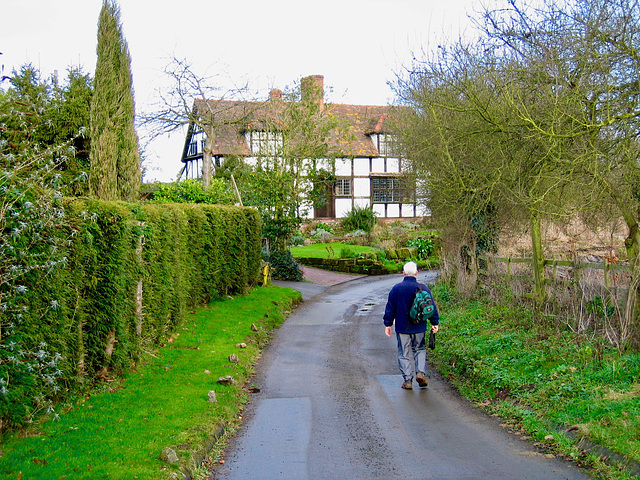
(434, 328)
(387, 330)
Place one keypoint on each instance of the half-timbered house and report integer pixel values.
(367, 171)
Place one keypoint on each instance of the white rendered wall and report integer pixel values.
(393, 210)
(377, 165)
(361, 202)
(343, 167)
(361, 167)
(393, 165)
(361, 187)
(343, 207)
(407, 210)
(378, 209)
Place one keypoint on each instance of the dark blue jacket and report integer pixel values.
(399, 304)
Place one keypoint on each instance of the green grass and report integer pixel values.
(543, 380)
(121, 432)
(328, 250)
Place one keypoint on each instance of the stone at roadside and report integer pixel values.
(226, 380)
(212, 396)
(169, 455)
(233, 358)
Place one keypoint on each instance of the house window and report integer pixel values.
(196, 144)
(387, 145)
(387, 190)
(265, 143)
(343, 187)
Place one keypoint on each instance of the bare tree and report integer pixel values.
(186, 104)
(551, 95)
(585, 62)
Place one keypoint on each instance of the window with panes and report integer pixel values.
(343, 187)
(387, 145)
(265, 143)
(387, 190)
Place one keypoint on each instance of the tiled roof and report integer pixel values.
(233, 119)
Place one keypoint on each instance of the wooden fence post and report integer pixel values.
(577, 273)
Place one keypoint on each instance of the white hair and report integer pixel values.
(410, 269)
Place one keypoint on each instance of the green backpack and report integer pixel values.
(422, 308)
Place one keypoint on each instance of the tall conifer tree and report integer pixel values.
(115, 159)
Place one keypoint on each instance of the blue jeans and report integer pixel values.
(411, 346)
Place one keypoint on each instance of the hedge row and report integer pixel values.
(132, 273)
(361, 266)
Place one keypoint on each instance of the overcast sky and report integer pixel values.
(358, 45)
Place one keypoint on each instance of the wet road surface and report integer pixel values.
(331, 406)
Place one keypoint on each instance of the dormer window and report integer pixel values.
(386, 144)
(265, 143)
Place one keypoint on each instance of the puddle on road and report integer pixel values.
(367, 307)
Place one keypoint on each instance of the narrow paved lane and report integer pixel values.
(331, 406)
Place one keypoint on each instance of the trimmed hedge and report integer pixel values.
(132, 273)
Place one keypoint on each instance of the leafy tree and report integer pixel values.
(73, 106)
(115, 159)
(28, 100)
(52, 114)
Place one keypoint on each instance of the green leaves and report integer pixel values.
(219, 192)
(115, 161)
(120, 279)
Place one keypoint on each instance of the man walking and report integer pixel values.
(411, 338)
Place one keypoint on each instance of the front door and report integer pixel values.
(324, 207)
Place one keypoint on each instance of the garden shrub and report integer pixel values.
(360, 218)
(296, 240)
(321, 234)
(190, 190)
(284, 266)
(423, 246)
(348, 252)
(324, 226)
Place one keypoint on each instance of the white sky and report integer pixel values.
(358, 45)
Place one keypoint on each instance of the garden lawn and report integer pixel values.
(329, 250)
(121, 432)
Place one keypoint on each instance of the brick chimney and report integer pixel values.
(312, 89)
(275, 94)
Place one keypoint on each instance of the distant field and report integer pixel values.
(322, 250)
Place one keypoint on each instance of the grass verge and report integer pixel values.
(121, 432)
(572, 395)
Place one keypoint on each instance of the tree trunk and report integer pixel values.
(206, 160)
(630, 330)
(537, 262)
